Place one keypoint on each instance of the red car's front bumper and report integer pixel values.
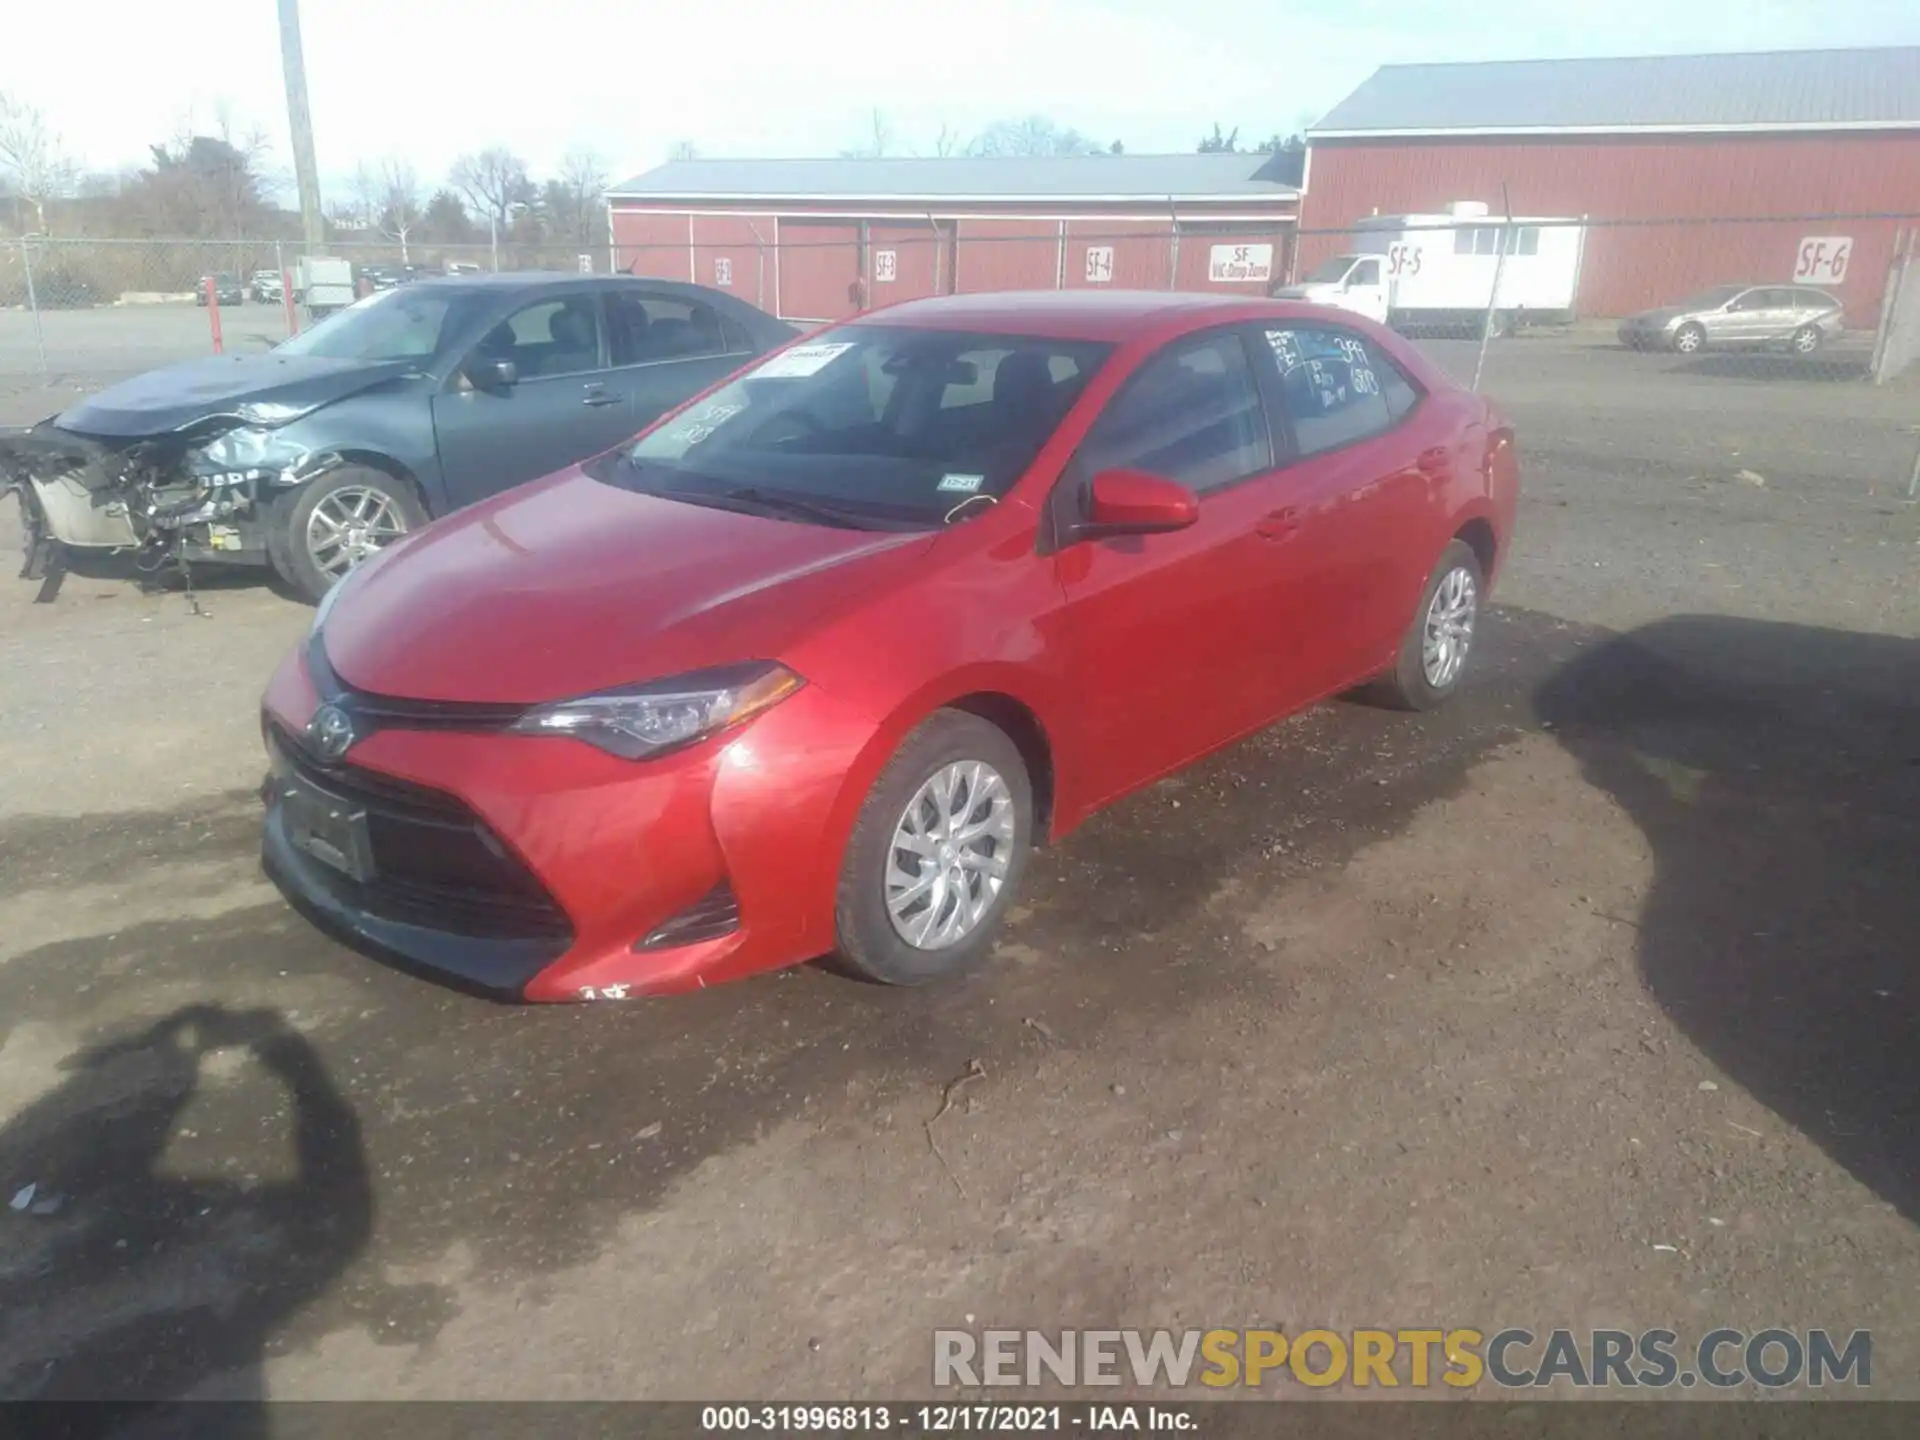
(541, 868)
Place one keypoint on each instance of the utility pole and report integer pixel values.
(306, 173)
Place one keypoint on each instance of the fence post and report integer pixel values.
(1173, 249)
(1507, 239)
(212, 282)
(33, 305)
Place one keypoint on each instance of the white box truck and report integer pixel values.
(323, 285)
(1438, 271)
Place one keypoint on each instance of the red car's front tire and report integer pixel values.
(937, 853)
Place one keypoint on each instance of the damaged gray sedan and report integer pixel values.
(313, 455)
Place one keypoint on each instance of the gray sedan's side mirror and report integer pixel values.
(495, 375)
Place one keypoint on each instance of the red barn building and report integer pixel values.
(1691, 170)
(822, 239)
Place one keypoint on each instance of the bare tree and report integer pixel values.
(575, 202)
(400, 213)
(879, 140)
(683, 150)
(947, 142)
(363, 211)
(1033, 135)
(32, 158)
(1221, 142)
(495, 180)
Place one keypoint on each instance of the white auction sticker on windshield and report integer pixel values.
(801, 361)
(965, 484)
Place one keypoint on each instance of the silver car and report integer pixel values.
(1739, 316)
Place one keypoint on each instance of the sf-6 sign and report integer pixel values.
(1403, 259)
(1822, 259)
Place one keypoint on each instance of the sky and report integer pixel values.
(428, 79)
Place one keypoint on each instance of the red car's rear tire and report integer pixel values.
(1435, 650)
(937, 853)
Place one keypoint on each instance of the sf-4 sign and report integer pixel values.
(1403, 259)
(1822, 259)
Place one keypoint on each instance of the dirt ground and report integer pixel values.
(1587, 1002)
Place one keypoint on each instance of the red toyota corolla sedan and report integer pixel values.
(813, 663)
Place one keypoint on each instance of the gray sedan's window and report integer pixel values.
(657, 327)
(388, 325)
(560, 336)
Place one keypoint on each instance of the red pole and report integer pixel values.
(286, 296)
(213, 313)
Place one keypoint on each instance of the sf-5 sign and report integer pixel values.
(1822, 259)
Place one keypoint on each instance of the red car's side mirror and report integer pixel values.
(1133, 502)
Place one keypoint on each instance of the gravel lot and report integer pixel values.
(1589, 1001)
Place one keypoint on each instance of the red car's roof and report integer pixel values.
(1075, 314)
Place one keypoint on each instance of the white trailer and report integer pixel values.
(1439, 271)
(323, 285)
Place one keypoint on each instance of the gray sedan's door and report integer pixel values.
(665, 348)
(1807, 306)
(561, 408)
(1744, 320)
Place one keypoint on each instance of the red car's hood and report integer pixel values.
(569, 586)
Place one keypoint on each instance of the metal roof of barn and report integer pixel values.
(1054, 178)
(1865, 89)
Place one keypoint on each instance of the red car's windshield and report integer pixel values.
(868, 424)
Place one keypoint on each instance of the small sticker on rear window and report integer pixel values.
(801, 361)
(962, 484)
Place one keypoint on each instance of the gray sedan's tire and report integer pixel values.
(322, 530)
(937, 853)
(1807, 340)
(1690, 339)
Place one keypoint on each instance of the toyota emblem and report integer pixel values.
(332, 731)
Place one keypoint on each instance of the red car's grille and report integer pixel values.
(435, 862)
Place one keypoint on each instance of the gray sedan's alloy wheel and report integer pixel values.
(349, 525)
(318, 533)
(1806, 340)
(1689, 339)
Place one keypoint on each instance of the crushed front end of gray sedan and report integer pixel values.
(204, 493)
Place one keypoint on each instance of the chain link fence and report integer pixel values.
(1737, 347)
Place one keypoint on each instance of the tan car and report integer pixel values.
(1739, 317)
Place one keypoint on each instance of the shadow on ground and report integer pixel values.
(1775, 771)
(150, 576)
(138, 1263)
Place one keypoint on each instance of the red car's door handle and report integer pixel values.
(597, 396)
(1278, 524)
(1435, 460)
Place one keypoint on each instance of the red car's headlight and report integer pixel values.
(640, 721)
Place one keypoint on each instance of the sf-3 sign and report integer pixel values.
(1822, 259)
